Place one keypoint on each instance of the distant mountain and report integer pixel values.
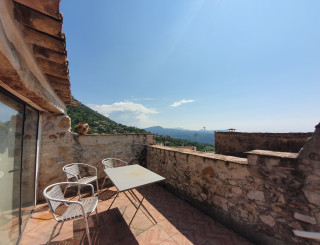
(201, 136)
(173, 142)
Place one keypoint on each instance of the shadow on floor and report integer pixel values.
(194, 225)
(111, 229)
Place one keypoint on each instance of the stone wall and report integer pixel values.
(236, 144)
(309, 158)
(263, 197)
(59, 147)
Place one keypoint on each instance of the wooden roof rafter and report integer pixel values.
(41, 25)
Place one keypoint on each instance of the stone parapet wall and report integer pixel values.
(59, 147)
(260, 197)
(236, 143)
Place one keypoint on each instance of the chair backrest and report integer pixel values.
(54, 193)
(113, 163)
(107, 163)
(72, 170)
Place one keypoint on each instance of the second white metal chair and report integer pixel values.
(72, 171)
(112, 163)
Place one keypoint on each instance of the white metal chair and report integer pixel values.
(112, 163)
(75, 209)
(73, 175)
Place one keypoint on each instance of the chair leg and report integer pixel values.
(97, 188)
(103, 184)
(114, 200)
(53, 230)
(98, 217)
(87, 229)
(79, 193)
(60, 228)
(65, 190)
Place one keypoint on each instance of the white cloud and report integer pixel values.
(127, 113)
(175, 104)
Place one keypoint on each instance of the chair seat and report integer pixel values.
(74, 210)
(87, 180)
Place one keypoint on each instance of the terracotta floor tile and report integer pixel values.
(177, 223)
(169, 241)
(182, 240)
(140, 224)
(156, 215)
(130, 241)
(192, 235)
(168, 227)
(154, 235)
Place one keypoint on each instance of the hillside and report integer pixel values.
(98, 123)
(201, 136)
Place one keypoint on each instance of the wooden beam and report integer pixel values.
(49, 54)
(24, 77)
(65, 96)
(44, 40)
(60, 87)
(49, 7)
(10, 80)
(37, 20)
(53, 65)
(56, 73)
(53, 79)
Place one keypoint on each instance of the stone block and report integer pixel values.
(232, 182)
(207, 173)
(223, 175)
(65, 123)
(296, 225)
(219, 190)
(220, 202)
(270, 163)
(281, 199)
(237, 190)
(52, 137)
(252, 159)
(194, 191)
(244, 214)
(313, 182)
(203, 196)
(268, 220)
(305, 218)
(256, 195)
(312, 196)
(249, 179)
(239, 171)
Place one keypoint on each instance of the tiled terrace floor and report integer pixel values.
(177, 223)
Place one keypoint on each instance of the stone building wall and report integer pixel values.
(262, 197)
(309, 159)
(236, 143)
(59, 147)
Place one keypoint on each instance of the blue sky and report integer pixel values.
(251, 65)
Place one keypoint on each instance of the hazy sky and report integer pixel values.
(251, 65)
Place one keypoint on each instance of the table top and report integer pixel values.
(132, 176)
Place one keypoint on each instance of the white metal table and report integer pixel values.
(129, 177)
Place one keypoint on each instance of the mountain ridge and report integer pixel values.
(201, 136)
